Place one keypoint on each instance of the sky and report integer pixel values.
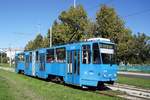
(21, 20)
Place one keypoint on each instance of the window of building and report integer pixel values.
(86, 54)
(50, 56)
(61, 54)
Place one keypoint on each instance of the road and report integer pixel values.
(134, 74)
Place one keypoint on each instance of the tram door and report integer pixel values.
(73, 68)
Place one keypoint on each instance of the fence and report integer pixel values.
(138, 68)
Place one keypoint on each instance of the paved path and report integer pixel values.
(135, 74)
(8, 69)
(132, 92)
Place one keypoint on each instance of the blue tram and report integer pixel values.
(88, 63)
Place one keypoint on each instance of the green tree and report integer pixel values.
(74, 24)
(45, 42)
(35, 44)
(75, 21)
(29, 46)
(38, 41)
(71, 23)
(3, 57)
(140, 49)
(90, 30)
(60, 33)
(110, 25)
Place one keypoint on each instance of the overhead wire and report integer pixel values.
(126, 16)
(137, 13)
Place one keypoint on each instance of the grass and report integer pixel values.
(139, 82)
(5, 91)
(19, 87)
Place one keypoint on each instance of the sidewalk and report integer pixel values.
(134, 73)
(8, 69)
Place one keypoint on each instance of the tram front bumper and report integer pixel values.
(92, 79)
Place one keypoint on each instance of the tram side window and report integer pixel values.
(86, 54)
(61, 54)
(50, 56)
(42, 61)
(27, 58)
(20, 57)
(37, 56)
(27, 61)
(96, 54)
(30, 57)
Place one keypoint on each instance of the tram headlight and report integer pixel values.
(90, 72)
(105, 75)
(85, 73)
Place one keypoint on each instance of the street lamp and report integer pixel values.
(1, 57)
(74, 3)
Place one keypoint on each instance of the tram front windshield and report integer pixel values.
(103, 53)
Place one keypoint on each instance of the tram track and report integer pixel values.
(106, 94)
(131, 92)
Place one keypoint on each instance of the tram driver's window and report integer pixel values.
(86, 54)
(96, 54)
(21, 57)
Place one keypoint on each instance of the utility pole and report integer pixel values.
(50, 37)
(1, 57)
(10, 60)
(74, 3)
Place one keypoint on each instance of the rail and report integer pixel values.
(132, 92)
